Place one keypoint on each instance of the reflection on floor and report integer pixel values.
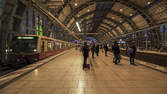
(64, 75)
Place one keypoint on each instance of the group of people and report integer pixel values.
(115, 49)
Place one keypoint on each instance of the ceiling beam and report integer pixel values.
(65, 5)
(101, 11)
(128, 3)
(52, 18)
(125, 18)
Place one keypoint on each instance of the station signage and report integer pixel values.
(25, 38)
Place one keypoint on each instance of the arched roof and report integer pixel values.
(111, 17)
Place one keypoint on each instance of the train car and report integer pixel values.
(31, 48)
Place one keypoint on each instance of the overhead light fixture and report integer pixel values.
(121, 9)
(88, 10)
(76, 4)
(78, 26)
(131, 14)
(148, 3)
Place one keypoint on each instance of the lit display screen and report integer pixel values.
(25, 38)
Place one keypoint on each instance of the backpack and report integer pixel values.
(130, 50)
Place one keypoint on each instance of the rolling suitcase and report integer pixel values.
(88, 66)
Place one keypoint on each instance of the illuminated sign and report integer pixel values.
(37, 27)
(25, 37)
(40, 28)
(41, 34)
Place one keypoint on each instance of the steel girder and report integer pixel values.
(107, 29)
(126, 18)
(128, 3)
(65, 4)
(112, 28)
(101, 11)
(132, 24)
(116, 22)
(103, 31)
(139, 10)
(76, 10)
(104, 28)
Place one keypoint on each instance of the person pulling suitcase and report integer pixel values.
(85, 51)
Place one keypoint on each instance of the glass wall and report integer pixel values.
(2, 2)
(154, 39)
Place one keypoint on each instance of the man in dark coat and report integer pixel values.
(116, 50)
(132, 52)
(105, 48)
(85, 51)
(97, 49)
(93, 50)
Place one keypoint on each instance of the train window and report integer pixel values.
(49, 46)
(28, 44)
(58, 45)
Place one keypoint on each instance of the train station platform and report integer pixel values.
(64, 75)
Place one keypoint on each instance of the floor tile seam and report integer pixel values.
(125, 58)
(146, 66)
(22, 75)
(97, 63)
(103, 62)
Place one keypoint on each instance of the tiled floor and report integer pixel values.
(64, 75)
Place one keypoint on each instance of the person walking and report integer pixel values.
(105, 48)
(116, 52)
(93, 50)
(132, 52)
(85, 51)
(97, 49)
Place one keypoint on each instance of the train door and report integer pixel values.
(49, 45)
(42, 46)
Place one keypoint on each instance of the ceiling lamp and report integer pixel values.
(148, 3)
(88, 10)
(78, 26)
(76, 4)
(121, 9)
(131, 14)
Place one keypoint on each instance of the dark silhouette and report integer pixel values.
(132, 52)
(97, 49)
(93, 50)
(85, 51)
(116, 51)
(105, 48)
